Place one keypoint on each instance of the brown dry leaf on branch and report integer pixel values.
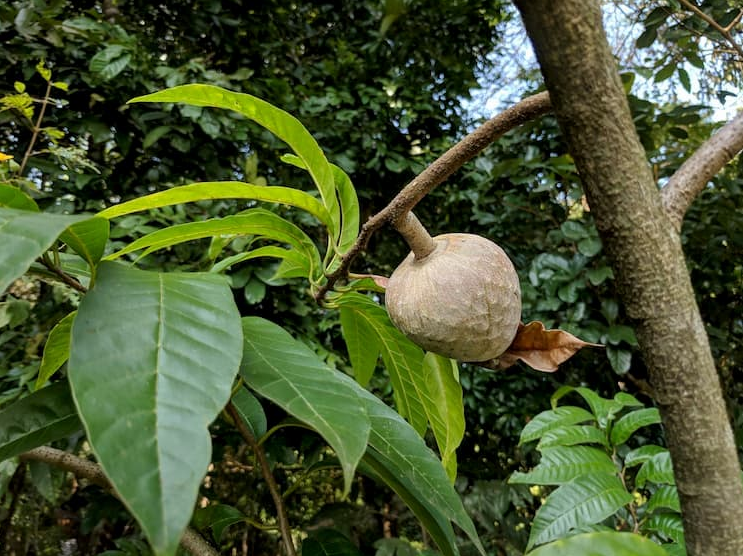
(541, 349)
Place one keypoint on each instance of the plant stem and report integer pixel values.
(435, 174)
(416, 235)
(191, 541)
(37, 128)
(273, 488)
(63, 276)
(724, 31)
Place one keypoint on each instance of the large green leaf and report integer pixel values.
(586, 500)
(669, 526)
(250, 411)
(255, 221)
(56, 349)
(446, 413)
(290, 374)
(603, 409)
(402, 358)
(152, 360)
(562, 464)
(601, 544)
(642, 454)
(217, 517)
(222, 190)
(658, 469)
(297, 258)
(571, 435)
(25, 235)
(329, 542)
(666, 496)
(47, 414)
(349, 209)
(88, 238)
(12, 197)
(282, 124)
(362, 344)
(552, 419)
(400, 456)
(628, 424)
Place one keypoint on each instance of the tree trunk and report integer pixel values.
(648, 262)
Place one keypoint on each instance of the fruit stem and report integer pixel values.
(416, 236)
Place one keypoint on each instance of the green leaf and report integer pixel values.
(642, 454)
(598, 276)
(401, 458)
(362, 344)
(601, 544)
(665, 72)
(152, 360)
(573, 230)
(684, 78)
(446, 412)
(572, 435)
(251, 412)
(628, 424)
(562, 464)
(222, 190)
(88, 238)
(603, 409)
(620, 359)
(39, 418)
(26, 235)
(586, 500)
(12, 197)
(666, 496)
(282, 124)
(291, 375)
(56, 350)
(154, 135)
(621, 333)
(590, 246)
(669, 526)
(110, 61)
(349, 209)
(674, 549)
(217, 517)
(402, 359)
(552, 419)
(658, 469)
(329, 542)
(272, 251)
(255, 221)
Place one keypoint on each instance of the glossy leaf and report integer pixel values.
(629, 423)
(669, 526)
(271, 251)
(39, 418)
(217, 517)
(409, 467)
(12, 197)
(563, 464)
(88, 238)
(152, 360)
(349, 209)
(329, 542)
(603, 409)
(666, 496)
(251, 411)
(362, 344)
(255, 221)
(402, 358)
(446, 413)
(658, 469)
(26, 235)
(56, 349)
(552, 419)
(291, 375)
(601, 544)
(282, 124)
(674, 549)
(571, 435)
(642, 454)
(586, 500)
(222, 190)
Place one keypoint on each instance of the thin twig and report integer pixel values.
(63, 276)
(273, 488)
(37, 128)
(694, 174)
(443, 167)
(191, 541)
(724, 31)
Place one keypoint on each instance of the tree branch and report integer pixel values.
(273, 488)
(694, 174)
(724, 31)
(443, 167)
(191, 541)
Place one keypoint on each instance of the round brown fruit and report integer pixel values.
(462, 300)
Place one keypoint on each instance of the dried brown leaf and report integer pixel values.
(541, 349)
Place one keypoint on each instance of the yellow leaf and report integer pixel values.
(4, 157)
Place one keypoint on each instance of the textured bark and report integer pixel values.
(646, 255)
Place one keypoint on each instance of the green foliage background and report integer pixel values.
(382, 87)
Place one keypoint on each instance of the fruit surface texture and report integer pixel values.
(462, 300)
